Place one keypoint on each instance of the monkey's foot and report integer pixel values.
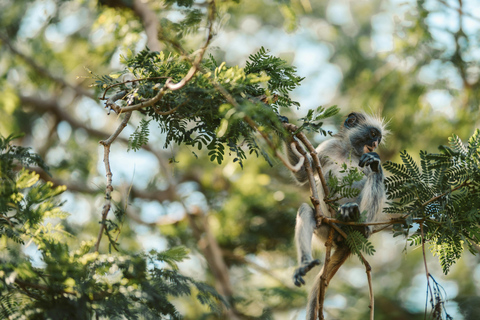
(349, 211)
(302, 271)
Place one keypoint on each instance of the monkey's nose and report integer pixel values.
(375, 145)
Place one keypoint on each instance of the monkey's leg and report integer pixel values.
(304, 228)
(336, 260)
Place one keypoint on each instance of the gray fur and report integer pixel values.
(301, 175)
(348, 146)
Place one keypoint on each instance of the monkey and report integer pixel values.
(354, 144)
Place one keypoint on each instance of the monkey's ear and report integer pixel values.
(351, 121)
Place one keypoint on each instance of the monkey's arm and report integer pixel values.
(301, 175)
(322, 153)
(372, 197)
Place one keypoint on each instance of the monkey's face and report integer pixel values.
(365, 139)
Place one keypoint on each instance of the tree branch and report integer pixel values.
(459, 10)
(323, 278)
(43, 71)
(42, 287)
(213, 254)
(368, 270)
(109, 188)
(150, 24)
(52, 106)
(169, 85)
(429, 288)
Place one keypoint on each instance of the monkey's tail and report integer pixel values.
(336, 260)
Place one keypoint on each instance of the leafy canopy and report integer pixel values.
(442, 194)
(201, 113)
(77, 283)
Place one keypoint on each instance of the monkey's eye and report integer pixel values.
(373, 133)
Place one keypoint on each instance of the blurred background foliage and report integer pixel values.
(415, 63)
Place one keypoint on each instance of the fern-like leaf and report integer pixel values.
(139, 137)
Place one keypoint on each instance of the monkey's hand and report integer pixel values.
(301, 271)
(371, 159)
(349, 211)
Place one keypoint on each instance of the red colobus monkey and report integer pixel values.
(354, 145)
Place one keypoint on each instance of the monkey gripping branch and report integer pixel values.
(201, 103)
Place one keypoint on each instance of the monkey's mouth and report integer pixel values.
(369, 149)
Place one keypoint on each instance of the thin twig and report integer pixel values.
(42, 287)
(109, 188)
(128, 81)
(368, 270)
(464, 184)
(8, 220)
(313, 185)
(429, 289)
(313, 153)
(143, 104)
(323, 278)
(316, 161)
(459, 10)
(110, 103)
(252, 124)
(164, 113)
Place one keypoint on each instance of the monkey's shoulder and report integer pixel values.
(329, 150)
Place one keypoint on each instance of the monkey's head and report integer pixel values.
(364, 132)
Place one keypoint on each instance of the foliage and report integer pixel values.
(357, 242)
(341, 188)
(311, 122)
(200, 114)
(77, 283)
(282, 78)
(442, 194)
(45, 45)
(24, 203)
(139, 137)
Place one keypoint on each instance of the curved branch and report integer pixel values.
(169, 85)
